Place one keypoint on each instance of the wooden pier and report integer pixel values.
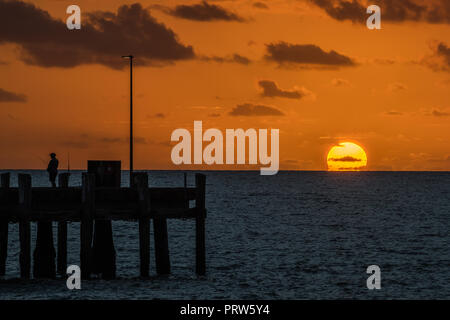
(90, 206)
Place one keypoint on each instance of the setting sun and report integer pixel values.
(346, 156)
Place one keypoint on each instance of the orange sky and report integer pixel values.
(394, 100)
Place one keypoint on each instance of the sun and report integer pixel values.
(346, 156)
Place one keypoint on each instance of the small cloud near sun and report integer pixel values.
(346, 156)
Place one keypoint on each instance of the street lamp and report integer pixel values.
(130, 57)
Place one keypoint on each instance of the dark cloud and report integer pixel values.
(260, 5)
(270, 89)
(104, 37)
(436, 11)
(235, 58)
(339, 82)
(286, 53)
(203, 12)
(7, 96)
(439, 59)
(250, 110)
(345, 159)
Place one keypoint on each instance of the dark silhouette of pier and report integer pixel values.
(94, 205)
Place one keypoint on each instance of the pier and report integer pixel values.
(94, 206)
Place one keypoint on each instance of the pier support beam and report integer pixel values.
(44, 253)
(140, 182)
(107, 174)
(104, 254)
(63, 181)
(200, 183)
(24, 225)
(162, 258)
(5, 178)
(88, 198)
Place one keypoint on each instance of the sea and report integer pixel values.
(294, 235)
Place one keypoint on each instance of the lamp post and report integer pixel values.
(130, 57)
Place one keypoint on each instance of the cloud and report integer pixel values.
(157, 115)
(12, 117)
(444, 52)
(104, 37)
(75, 144)
(352, 168)
(345, 159)
(397, 86)
(439, 59)
(393, 113)
(250, 110)
(438, 113)
(7, 96)
(436, 11)
(235, 58)
(306, 54)
(203, 12)
(270, 89)
(444, 83)
(260, 5)
(140, 140)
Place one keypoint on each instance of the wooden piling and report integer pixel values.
(162, 258)
(107, 174)
(44, 253)
(88, 199)
(140, 182)
(103, 251)
(5, 178)
(63, 182)
(200, 183)
(24, 225)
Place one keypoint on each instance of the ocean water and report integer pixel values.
(296, 235)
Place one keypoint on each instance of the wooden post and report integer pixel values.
(44, 253)
(162, 258)
(87, 215)
(63, 181)
(24, 225)
(140, 181)
(5, 177)
(200, 183)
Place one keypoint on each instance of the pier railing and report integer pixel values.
(87, 204)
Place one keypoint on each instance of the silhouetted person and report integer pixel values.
(52, 169)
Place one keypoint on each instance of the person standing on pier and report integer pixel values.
(52, 169)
